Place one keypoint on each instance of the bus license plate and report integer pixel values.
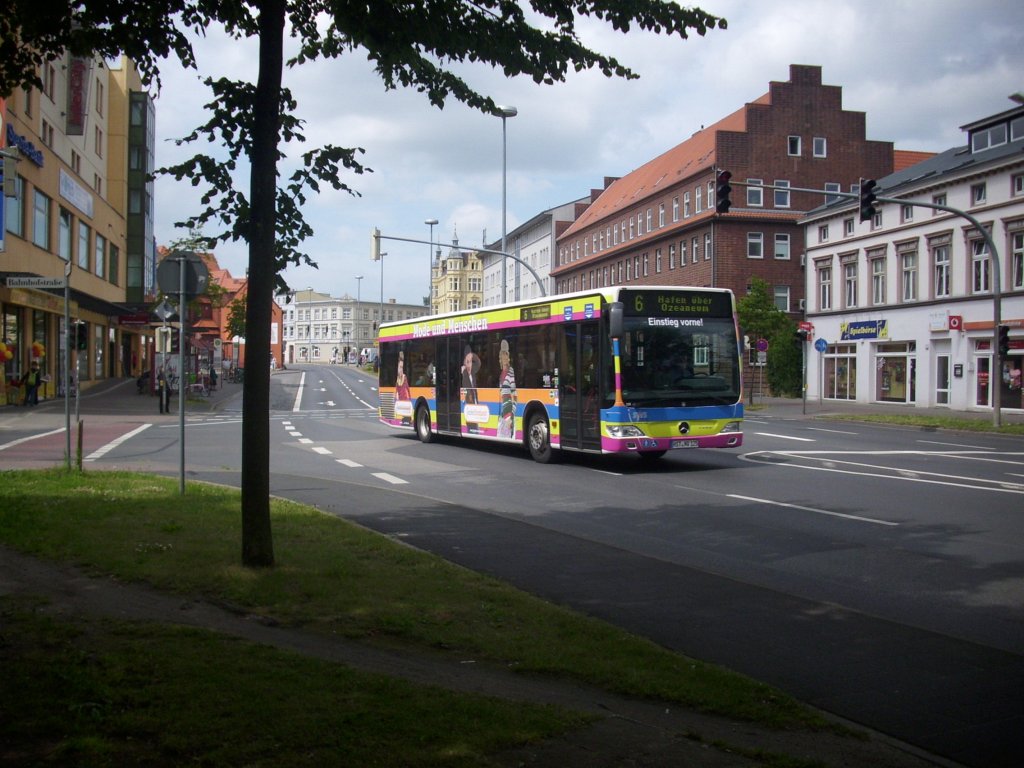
(684, 443)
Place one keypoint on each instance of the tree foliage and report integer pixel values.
(412, 45)
(761, 319)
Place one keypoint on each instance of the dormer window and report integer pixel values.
(986, 138)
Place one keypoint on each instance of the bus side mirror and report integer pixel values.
(615, 319)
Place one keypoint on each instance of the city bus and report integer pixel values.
(643, 370)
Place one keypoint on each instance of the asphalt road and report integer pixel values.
(871, 572)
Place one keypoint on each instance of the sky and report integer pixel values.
(918, 69)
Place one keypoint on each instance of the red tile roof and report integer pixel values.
(904, 158)
(682, 161)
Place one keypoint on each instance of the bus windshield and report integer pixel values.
(669, 364)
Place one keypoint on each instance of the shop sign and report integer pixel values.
(864, 329)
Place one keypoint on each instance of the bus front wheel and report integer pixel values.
(423, 431)
(538, 439)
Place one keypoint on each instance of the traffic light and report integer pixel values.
(1004, 340)
(375, 244)
(723, 190)
(868, 199)
(800, 337)
(81, 337)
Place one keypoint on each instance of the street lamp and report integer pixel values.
(359, 289)
(504, 112)
(381, 318)
(309, 325)
(430, 256)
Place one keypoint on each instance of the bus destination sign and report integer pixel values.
(684, 303)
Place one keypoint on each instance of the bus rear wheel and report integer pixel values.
(538, 439)
(423, 431)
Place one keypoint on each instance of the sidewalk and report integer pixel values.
(796, 408)
(121, 397)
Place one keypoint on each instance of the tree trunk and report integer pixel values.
(257, 537)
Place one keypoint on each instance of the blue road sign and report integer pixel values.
(821, 345)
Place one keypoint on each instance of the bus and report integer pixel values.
(643, 370)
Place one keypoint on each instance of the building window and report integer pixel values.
(755, 245)
(711, 194)
(671, 257)
(682, 253)
(793, 143)
(41, 220)
(675, 208)
(15, 212)
(686, 205)
(782, 195)
(64, 234)
(978, 194)
(101, 255)
(980, 268)
(661, 214)
(100, 100)
(650, 220)
(657, 261)
(908, 270)
(647, 259)
(781, 246)
(636, 267)
(114, 264)
(707, 246)
(988, 138)
(906, 213)
(848, 227)
(1017, 259)
(629, 270)
(632, 227)
(694, 250)
(97, 141)
(850, 283)
(820, 146)
(878, 281)
(831, 187)
(876, 220)
(782, 297)
(823, 233)
(824, 288)
(938, 200)
(755, 194)
(83, 246)
(698, 205)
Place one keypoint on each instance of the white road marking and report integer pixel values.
(21, 440)
(349, 463)
(305, 440)
(298, 393)
(813, 509)
(787, 437)
(390, 478)
(321, 450)
(958, 445)
(100, 452)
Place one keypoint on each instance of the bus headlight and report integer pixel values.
(732, 426)
(624, 430)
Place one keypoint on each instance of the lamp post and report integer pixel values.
(355, 317)
(505, 113)
(309, 325)
(381, 318)
(430, 266)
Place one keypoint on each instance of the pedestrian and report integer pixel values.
(163, 391)
(31, 381)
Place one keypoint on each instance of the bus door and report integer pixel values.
(579, 396)
(449, 379)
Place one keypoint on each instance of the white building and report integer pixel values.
(319, 328)
(534, 243)
(903, 306)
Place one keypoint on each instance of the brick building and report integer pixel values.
(658, 225)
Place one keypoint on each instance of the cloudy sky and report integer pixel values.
(919, 70)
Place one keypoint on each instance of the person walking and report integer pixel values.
(163, 391)
(31, 381)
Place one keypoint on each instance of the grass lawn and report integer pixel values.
(101, 692)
